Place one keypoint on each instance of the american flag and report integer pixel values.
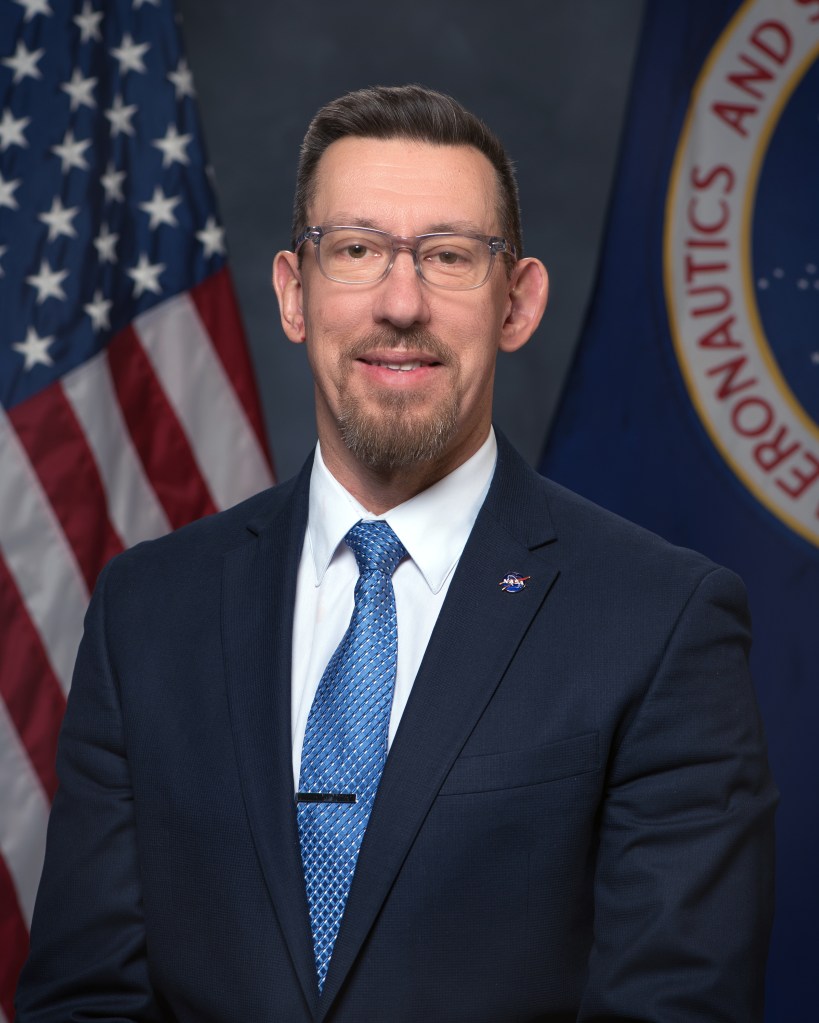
(128, 403)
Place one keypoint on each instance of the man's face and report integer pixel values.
(403, 370)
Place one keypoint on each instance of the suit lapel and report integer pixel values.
(257, 622)
(477, 634)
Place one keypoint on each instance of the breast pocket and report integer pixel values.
(534, 766)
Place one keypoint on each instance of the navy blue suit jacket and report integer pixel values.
(574, 821)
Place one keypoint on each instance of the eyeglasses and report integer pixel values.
(362, 255)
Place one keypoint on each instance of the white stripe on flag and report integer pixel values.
(194, 379)
(39, 557)
(133, 507)
(23, 816)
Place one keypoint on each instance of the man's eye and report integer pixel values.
(353, 250)
(449, 257)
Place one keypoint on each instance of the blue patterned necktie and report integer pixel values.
(345, 743)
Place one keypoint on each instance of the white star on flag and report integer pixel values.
(120, 117)
(59, 220)
(34, 7)
(139, 3)
(98, 310)
(105, 243)
(79, 89)
(48, 282)
(24, 63)
(71, 152)
(182, 80)
(7, 189)
(3, 250)
(160, 208)
(173, 146)
(146, 276)
(111, 182)
(212, 237)
(130, 54)
(88, 22)
(35, 349)
(11, 131)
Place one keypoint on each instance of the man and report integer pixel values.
(573, 821)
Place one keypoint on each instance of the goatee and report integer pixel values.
(398, 433)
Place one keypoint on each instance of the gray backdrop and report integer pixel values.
(549, 76)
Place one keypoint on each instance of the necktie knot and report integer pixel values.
(375, 546)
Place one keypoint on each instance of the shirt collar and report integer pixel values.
(433, 526)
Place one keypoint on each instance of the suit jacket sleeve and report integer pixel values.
(683, 887)
(87, 957)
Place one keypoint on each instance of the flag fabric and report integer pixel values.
(128, 402)
(692, 406)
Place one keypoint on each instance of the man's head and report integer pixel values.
(405, 112)
(404, 311)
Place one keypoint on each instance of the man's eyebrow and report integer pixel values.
(454, 227)
(342, 219)
(345, 219)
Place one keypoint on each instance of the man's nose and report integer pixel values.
(402, 296)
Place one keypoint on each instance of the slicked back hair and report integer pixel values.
(405, 112)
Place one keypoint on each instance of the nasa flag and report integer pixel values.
(693, 403)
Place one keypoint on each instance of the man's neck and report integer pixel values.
(380, 489)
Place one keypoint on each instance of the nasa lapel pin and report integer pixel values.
(513, 583)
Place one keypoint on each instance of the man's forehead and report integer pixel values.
(366, 179)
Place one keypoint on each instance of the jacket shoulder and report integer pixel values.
(198, 548)
(610, 555)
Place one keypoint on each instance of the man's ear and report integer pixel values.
(288, 287)
(527, 296)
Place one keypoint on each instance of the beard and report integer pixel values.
(392, 430)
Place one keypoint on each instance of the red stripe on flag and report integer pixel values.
(58, 450)
(13, 941)
(28, 686)
(156, 432)
(215, 301)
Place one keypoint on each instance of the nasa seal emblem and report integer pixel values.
(741, 254)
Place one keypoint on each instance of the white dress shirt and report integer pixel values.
(433, 527)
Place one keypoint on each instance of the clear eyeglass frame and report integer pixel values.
(397, 243)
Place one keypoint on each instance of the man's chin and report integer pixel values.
(397, 434)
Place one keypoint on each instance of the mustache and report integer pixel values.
(415, 339)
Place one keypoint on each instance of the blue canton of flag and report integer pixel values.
(692, 404)
(127, 402)
(103, 185)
